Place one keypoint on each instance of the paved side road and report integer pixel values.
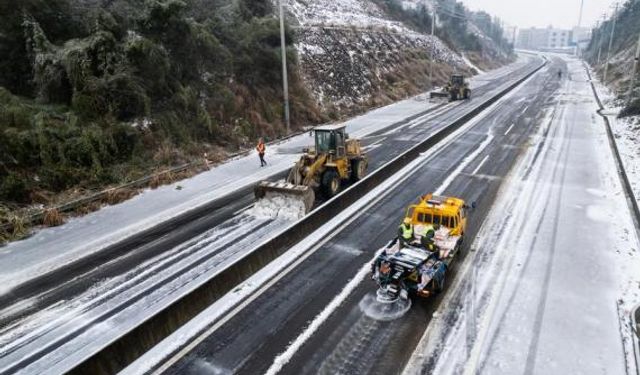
(556, 267)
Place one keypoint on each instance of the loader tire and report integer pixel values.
(358, 169)
(330, 183)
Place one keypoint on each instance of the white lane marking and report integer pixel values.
(371, 147)
(375, 144)
(284, 358)
(420, 120)
(508, 130)
(435, 113)
(243, 209)
(525, 109)
(480, 165)
(464, 164)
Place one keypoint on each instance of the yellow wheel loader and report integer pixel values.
(457, 88)
(323, 169)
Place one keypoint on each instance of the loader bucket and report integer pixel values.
(438, 94)
(288, 191)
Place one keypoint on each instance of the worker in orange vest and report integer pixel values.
(261, 148)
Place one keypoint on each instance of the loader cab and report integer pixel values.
(330, 139)
(457, 80)
(435, 210)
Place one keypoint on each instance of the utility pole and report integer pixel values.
(433, 44)
(580, 15)
(613, 30)
(285, 81)
(604, 17)
(578, 28)
(634, 73)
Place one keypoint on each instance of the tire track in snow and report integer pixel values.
(533, 345)
(526, 263)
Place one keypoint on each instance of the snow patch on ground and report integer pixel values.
(354, 13)
(349, 49)
(627, 135)
(471, 65)
(279, 206)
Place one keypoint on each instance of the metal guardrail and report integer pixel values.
(633, 203)
(129, 346)
(38, 217)
(635, 328)
(626, 184)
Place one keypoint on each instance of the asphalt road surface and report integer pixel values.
(348, 341)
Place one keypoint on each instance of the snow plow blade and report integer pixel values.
(305, 194)
(438, 94)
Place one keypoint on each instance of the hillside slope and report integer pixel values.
(356, 54)
(623, 49)
(96, 93)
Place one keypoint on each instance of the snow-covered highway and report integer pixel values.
(546, 287)
(556, 269)
(57, 326)
(309, 317)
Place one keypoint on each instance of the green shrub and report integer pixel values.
(200, 73)
(121, 96)
(13, 188)
(150, 62)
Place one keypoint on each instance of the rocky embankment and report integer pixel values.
(354, 56)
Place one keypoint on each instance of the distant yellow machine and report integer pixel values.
(433, 210)
(457, 88)
(334, 160)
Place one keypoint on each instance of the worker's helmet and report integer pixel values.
(407, 220)
(430, 234)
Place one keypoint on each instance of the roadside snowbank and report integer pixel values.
(626, 132)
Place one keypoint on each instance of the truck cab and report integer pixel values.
(434, 210)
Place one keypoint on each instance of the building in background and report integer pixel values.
(409, 5)
(546, 39)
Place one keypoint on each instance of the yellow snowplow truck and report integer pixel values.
(334, 160)
(457, 88)
(413, 268)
